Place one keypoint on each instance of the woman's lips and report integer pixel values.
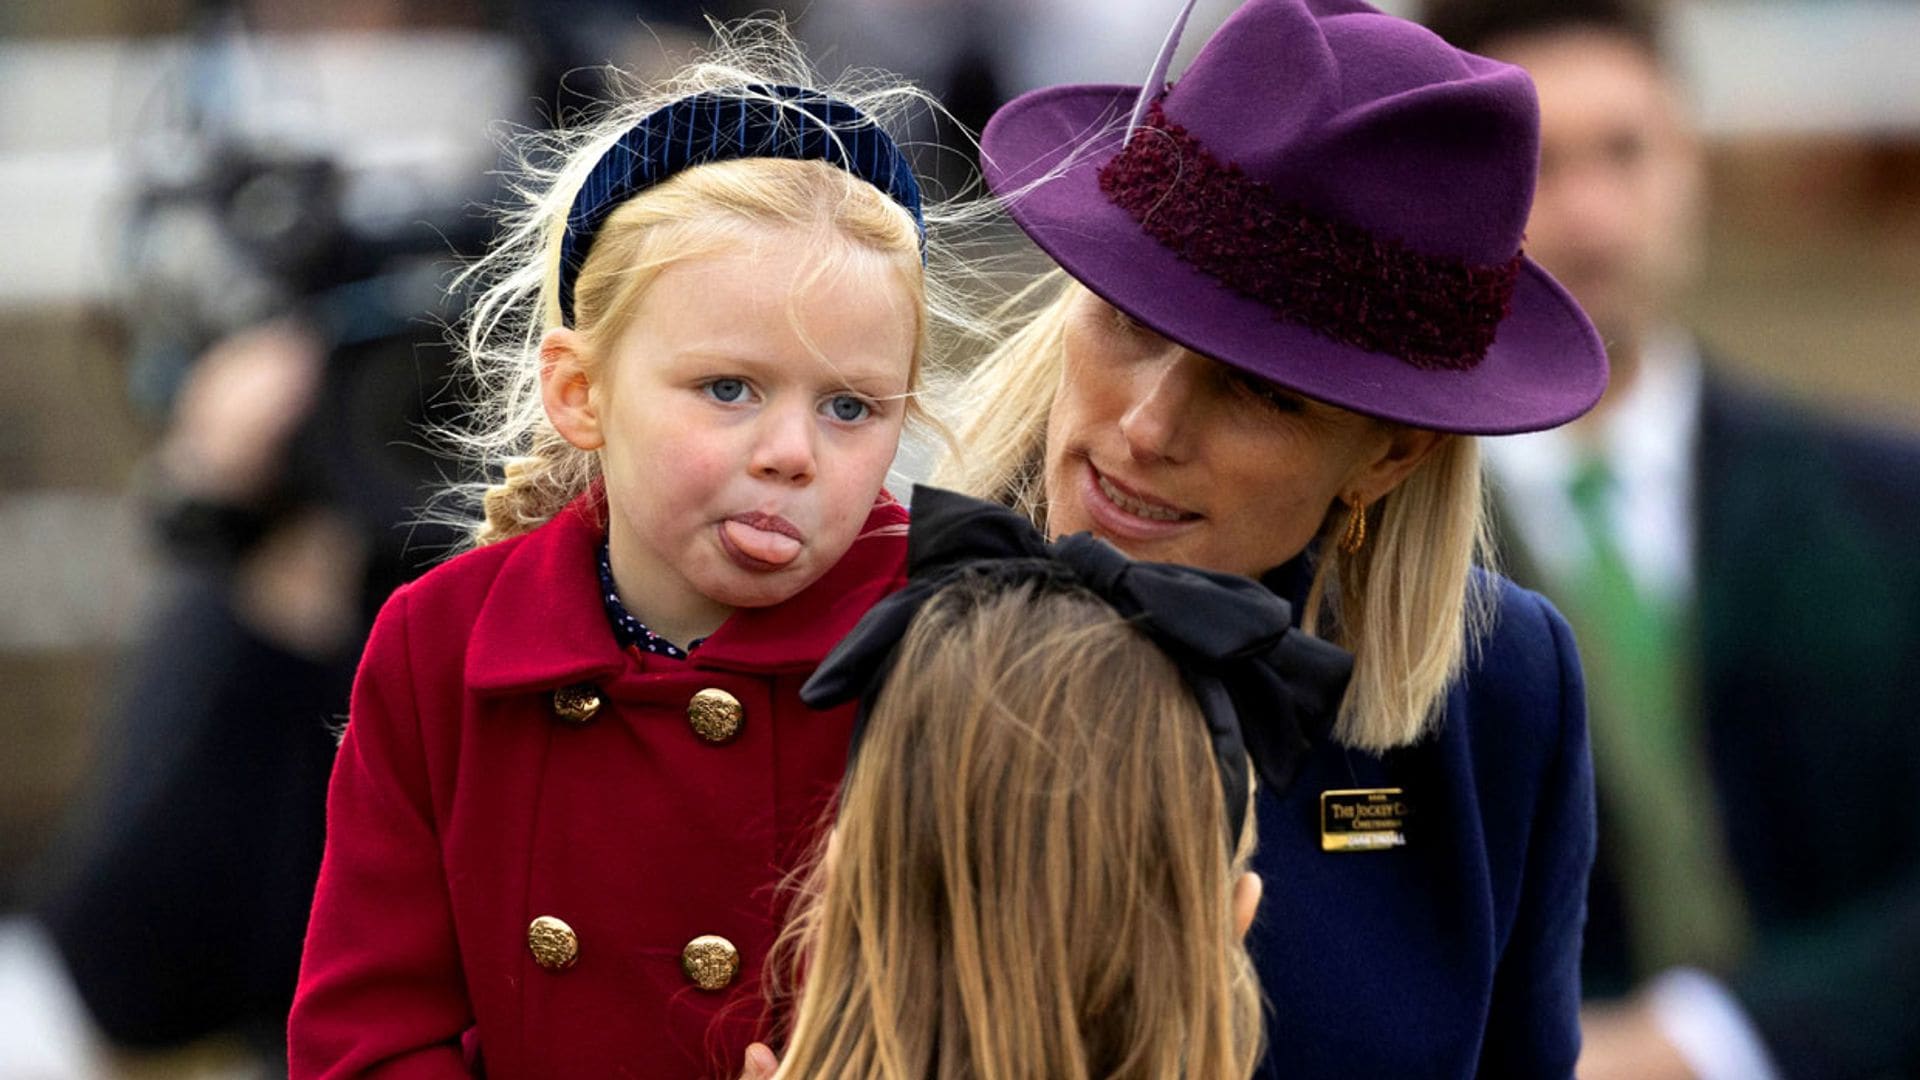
(1126, 514)
(760, 541)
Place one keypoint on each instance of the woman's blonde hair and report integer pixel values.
(1031, 874)
(1408, 606)
(526, 472)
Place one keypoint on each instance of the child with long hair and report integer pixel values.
(1039, 865)
(576, 764)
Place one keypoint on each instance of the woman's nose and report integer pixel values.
(783, 447)
(1159, 420)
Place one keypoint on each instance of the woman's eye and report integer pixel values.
(846, 408)
(1260, 390)
(727, 390)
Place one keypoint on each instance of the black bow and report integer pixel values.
(1261, 684)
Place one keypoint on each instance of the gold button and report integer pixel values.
(576, 704)
(553, 943)
(710, 961)
(715, 715)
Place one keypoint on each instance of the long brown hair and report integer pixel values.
(1030, 875)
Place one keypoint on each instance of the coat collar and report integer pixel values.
(543, 624)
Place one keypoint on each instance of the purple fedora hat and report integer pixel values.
(1331, 198)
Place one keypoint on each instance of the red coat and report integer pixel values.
(463, 808)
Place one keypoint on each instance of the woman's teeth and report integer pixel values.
(1135, 506)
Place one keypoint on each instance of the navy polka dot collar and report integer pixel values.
(630, 632)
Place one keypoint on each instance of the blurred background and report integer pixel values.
(228, 228)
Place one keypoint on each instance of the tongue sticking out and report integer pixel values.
(778, 549)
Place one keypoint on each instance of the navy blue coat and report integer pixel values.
(1457, 955)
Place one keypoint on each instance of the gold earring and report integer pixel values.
(1355, 536)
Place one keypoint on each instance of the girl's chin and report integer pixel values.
(757, 591)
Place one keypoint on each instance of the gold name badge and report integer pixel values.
(1363, 819)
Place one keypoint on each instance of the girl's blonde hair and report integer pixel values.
(1408, 606)
(526, 471)
(1031, 875)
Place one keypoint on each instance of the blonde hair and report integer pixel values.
(526, 472)
(1409, 606)
(1031, 874)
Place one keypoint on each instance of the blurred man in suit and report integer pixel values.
(1744, 580)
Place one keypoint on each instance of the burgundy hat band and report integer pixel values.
(1332, 277)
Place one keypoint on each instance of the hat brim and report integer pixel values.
(1042, 154)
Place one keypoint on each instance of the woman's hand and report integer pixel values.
(761, 1064)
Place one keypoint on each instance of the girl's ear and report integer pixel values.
(1246, 901)
(566, 391)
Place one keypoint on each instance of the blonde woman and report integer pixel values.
(1039, 865)
(1292, 293)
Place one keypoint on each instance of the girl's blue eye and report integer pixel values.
(847, 409)
(727, 390)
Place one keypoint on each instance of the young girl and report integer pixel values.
(576, 762)
(1039, 868)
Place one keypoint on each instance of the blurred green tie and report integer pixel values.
(1682, 903)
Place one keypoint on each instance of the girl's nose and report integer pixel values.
(783, 448)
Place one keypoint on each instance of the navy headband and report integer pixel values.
(724, 125)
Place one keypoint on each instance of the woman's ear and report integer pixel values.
(1246, 901)
(566, 390)
(1394, 458)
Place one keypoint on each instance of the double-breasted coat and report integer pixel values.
(549, 856)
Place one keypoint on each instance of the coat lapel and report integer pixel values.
(543, 624)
